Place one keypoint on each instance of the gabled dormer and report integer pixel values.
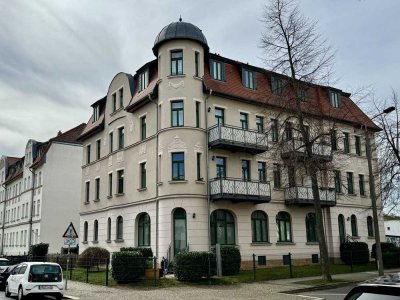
(335, 97)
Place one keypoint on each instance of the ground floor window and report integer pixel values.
(222, 226)
(342, 229)
(311, 228)
(144, 230)
(354, 230)
(284, 226)
(119, 229)
(370, 226)
(259, 226)
(180, 235)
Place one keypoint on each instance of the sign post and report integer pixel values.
(70, 237)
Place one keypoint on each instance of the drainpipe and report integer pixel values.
(208, 170)
(30, 215)
(4, 216)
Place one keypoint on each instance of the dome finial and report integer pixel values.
(180, 18)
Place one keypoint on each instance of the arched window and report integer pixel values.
(354, 230)
(342, 229)
(38, 208)
(95, 231)
(85, 231)
(259, 226)
(120, 228)
(144, 230)
(284, 227)
(311, 228)
(222, 226)
(370, 226)
(180, 237)
(109, 229)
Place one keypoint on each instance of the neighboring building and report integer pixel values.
(40, 193)
(392, 230)
(180, 155)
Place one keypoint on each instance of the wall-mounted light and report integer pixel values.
(194, 215)
(209, 109)
(348, 218)
(213, 157)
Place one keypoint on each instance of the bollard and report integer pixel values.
(254, 267)
(87, 274)
(107, 267)
(290, 265)
(351, 261)
(155, 270)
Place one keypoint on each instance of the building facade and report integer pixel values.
(40, 193)
(196, 149)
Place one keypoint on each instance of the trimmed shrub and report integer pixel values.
(391, 258)
(145, 252)
(127, 266)
(93, 256)
(354, 253)
(194, 265)
(39, 250)
(384, 246)
(231, 260)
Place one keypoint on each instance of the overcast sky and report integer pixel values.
(58, 57)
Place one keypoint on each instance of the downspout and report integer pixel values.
(3, 218)
(30, 215)
(208, 171)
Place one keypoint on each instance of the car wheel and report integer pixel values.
(20, 294)
(7, 292)
(59, 297)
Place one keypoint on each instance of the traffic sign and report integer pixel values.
(69, 241)
(70, 232)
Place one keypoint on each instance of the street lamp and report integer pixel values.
(373, 194)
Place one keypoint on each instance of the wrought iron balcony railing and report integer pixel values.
(237, 139)
(239, 190)
(295, 147)
(303, 195)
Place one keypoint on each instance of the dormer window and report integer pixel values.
(114, 102)
(143, 80)
(334, 97)
(277, 85)
(248, 79)
(176, 62)
(121, 97)
(96, 113)
(217, 70)
(302, 93)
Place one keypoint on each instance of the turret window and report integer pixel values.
(143, 80)
(177, 62)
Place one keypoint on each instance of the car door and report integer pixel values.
(20, 275)
(12, 280)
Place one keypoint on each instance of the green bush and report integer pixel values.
(127, 266)
(145, 252)
(384, 246)
(93, 256)
(391, 259)
(231, 260)
(194, 265)
(39, 250)
(354, 253)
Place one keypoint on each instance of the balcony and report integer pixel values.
(302, 196)
(296, 149)
(237, 139)
(238, 190)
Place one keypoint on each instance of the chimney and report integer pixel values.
(59, 133)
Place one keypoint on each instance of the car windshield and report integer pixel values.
(45, 273)
(372, 296)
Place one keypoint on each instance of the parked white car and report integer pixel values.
(4, 263)
(30, 278)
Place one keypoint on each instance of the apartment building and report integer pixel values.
(40, 193)
(196, 149)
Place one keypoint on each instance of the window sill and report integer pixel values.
(84, 242)
(352, 195)
(86, 202)
(160, 183)
(108, 241)
(285, 243)
(200, 181)
(176, 76)
(371, 238)
(119, 194)
(117, 111)
(142, 189)
(363, 196)
(96, 200)
(119, 240)
(261, 244)
(356, 237)
(198, 78)
(95, 242)
(312, 243)
(109, 197)
(177, 181)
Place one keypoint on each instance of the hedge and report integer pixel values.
(145, 252)
(93, 256)
(38, 250)
(127, 266)
(231, 260)
(391, 259)
(384, 247)
(354, 253)
(194, 265)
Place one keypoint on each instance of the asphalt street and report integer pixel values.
(333, 294)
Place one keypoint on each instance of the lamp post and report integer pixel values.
(373, 193)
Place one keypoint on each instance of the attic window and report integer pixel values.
(302, 93)
(334, 98)
(277, 85)
(143, 80)
(248, 79)
(96, 113)
(217, 70)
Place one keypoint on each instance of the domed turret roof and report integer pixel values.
(179, 30)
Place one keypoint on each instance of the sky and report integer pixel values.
(58, 57)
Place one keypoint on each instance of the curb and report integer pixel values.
(321, 287)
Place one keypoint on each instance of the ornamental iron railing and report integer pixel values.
(297, 146)
(303, 195)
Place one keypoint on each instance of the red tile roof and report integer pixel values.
(15, 169)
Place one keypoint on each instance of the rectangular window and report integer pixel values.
(350, 185)
(110, 184)
(333, 140)
(260, 124)
(361, 184)
(244, 121)
(177, 113)
(96, 113)
(143, 175)
(338, 181)
(220, 164)
(198, 163)
(217, 70)
(177, 62)
(288, 130)
(178, 166)
(121, 97)
(143, 80)
(358, 145)
(97, 186)
(114, 102)
(248, 79)
(87, 191)
(274, 130)
(262, 171)
(219, 116)
(88, 154)
(143, 128)
(98, 147)
(246, 176)
(334, 98)
(196, 63)
(120, 182)
(346, 142)
(121, 137)
(197, 114)
(302, 93)
(277, 176)
(111, 142)
(277, 85)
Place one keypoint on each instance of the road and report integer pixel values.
(333, 294)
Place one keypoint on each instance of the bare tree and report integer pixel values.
(295, 49)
